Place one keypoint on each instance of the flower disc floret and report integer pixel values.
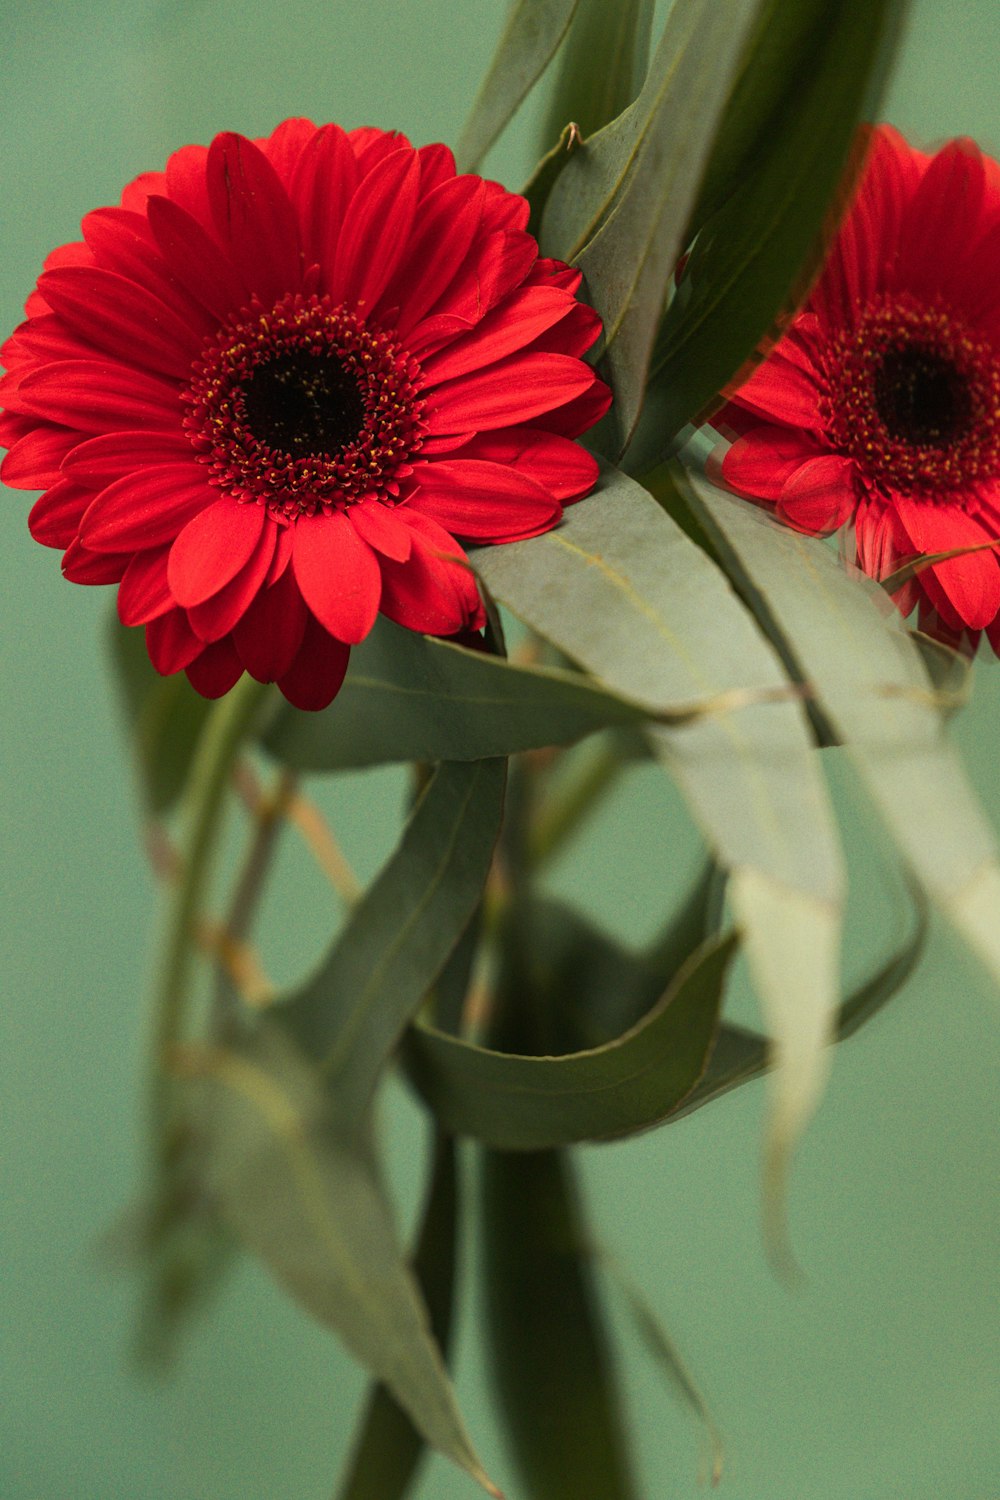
(304, 408)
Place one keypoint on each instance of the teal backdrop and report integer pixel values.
(873, 1380)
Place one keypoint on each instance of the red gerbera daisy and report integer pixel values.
(881, 402)
(265, 393)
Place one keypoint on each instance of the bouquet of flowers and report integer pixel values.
(392, 464)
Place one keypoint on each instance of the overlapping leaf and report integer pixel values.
(349, 1015)
(621, 589)
(839, 630)
(531, 37)
(812, 70)
(550, 1358)
(389, 1448)
(410, 697)
(528, 1103)
(308, 1202)
(621, 205)
(602, 65)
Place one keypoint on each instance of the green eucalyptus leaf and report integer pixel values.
(398, 938)
(389, 1448)
(788, 136)
(838, 630)
(642, 608)
(621, 205)
(549, 1352)
(543, 179)
(740, 1055)
(412, 697)
(530, 39)
(307, 1201)
(523, 1102)
(165, 715)
(602, 65)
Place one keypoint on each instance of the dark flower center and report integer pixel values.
(921, 396)
(304, 408)
(913, 396)
(303, 402)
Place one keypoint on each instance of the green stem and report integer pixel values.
(569, 804)
(220, 743)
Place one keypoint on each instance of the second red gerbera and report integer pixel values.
(881, 403)
(265, 394)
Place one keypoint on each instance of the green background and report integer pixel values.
(873, 1381)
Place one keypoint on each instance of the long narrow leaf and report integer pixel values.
(531, 37)
(755, 256)
(601, 66)
(527, 1103)
(641, 607)
(838, 629)
(397, 940)
(410, 697)
(621, 206)
(309, 1204)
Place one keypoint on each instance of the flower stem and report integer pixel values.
(218, 748)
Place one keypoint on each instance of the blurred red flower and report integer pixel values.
(265, 394)
(880, 404)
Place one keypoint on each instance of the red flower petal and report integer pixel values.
(381, 528)
(483, 501)
(218, 615)
(511, 391)
(285, 145)
(760, 463)
(780, 390)
(54, 520)
(123, 242)
(942, 218)
(338, 574)
(253, 217)
(101, 460)
(36, 459)
(562, 467)
(80, 565)
(171, 643)
(497, 263)
(971, 583)
(374, 236)
(99, 396)
(434, 591)
(519, 319)
(213, 548)
(269, 635)
(195, 259)
(146, 508)
(821, 495)
(322, 184)
(314, 678)
(216, 670)
(117, 317)
(445, 225)
(144, 591)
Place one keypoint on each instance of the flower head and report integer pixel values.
(881, 402)
(266, 393)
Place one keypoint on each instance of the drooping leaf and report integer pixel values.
(550, 1358)
(397, 939)
(527, 1103)
(641, 607)
(621, 205)
(411, 697)
(602, 64)
(308, 1202)
(740, 1055)
(837, 629)
(389, 1448)
(530, 39)
(165, 716)
(753, 259)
